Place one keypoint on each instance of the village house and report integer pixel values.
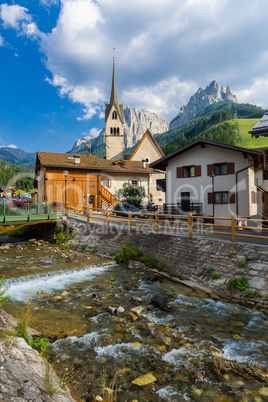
(82, 179)
(212, 179)
(261, 130)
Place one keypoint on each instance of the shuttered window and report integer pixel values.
(221, 197)
(220, 169)
(188, 171)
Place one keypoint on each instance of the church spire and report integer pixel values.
(114, 95)
(114, 99)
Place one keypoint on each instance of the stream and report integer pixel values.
(98, 349)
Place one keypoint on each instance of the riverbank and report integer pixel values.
(209, 263)
(26, 376)
(103, 325)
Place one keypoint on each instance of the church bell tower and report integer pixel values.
(114, 124)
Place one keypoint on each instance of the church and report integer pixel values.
(76, 179)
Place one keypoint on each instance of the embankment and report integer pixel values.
(190, 258)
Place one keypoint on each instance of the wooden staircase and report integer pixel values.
(108, 200)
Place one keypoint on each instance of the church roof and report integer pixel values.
(114, 99)
(149, 134)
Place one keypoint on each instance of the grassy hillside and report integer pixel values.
(244, 126)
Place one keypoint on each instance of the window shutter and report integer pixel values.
(230, 168)
(210, 169)
(139, 183)
(231, 198)
(198, 171)
(130, 182)
(252, 197)
(179, 172)
(210, 198)
(256, 197)
(109, 183)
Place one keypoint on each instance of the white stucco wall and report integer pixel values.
(114, 143)
(199, 187)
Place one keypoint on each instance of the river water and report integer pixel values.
(69, 304)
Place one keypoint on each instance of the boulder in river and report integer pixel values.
(160, 300)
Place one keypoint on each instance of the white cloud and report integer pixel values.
(2, 42)
(9, 146)
(48, 3)
(94, 132)
(256, 92)
(13, 15)
(164, 98)
(165, 50)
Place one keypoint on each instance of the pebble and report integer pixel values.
(138, 310)
(263, 391)
(146, 379)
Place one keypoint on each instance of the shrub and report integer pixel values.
(62, 236)
(240, 284)
(249, 293)
(127, 253)
(214, 275)
(209, 269)
(38, 343)
(231, 255)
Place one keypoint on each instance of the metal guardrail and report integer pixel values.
(227, 226)
(27, 212)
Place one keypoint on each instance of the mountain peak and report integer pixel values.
(202, 98)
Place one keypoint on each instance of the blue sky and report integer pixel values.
(56, 61)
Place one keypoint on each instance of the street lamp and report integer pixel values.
(65, 174)
(213, 195)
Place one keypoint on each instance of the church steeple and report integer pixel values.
(114, 100)
(114, 124)
(114, 96)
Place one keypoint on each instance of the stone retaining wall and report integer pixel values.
(187, 257)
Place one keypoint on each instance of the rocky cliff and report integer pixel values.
(136, 123)
(202, 98)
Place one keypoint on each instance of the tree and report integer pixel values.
(132, 195)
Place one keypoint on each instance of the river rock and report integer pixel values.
(93, 312)
(160, 300)
(146, 379)
(133, 316)
(136, 299)
(112, 310)
(137, 310)
(120, 310)
(263, 391)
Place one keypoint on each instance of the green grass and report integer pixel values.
(250, 142)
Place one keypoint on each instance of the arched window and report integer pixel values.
(111, 131)
(114, 131)
(117, 131)
(114, 115)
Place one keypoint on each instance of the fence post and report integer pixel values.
(28, 212)
(108, 218)
(156, 222)
(233, 228)
(129, 219)
(190, 225)
(89, 215)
